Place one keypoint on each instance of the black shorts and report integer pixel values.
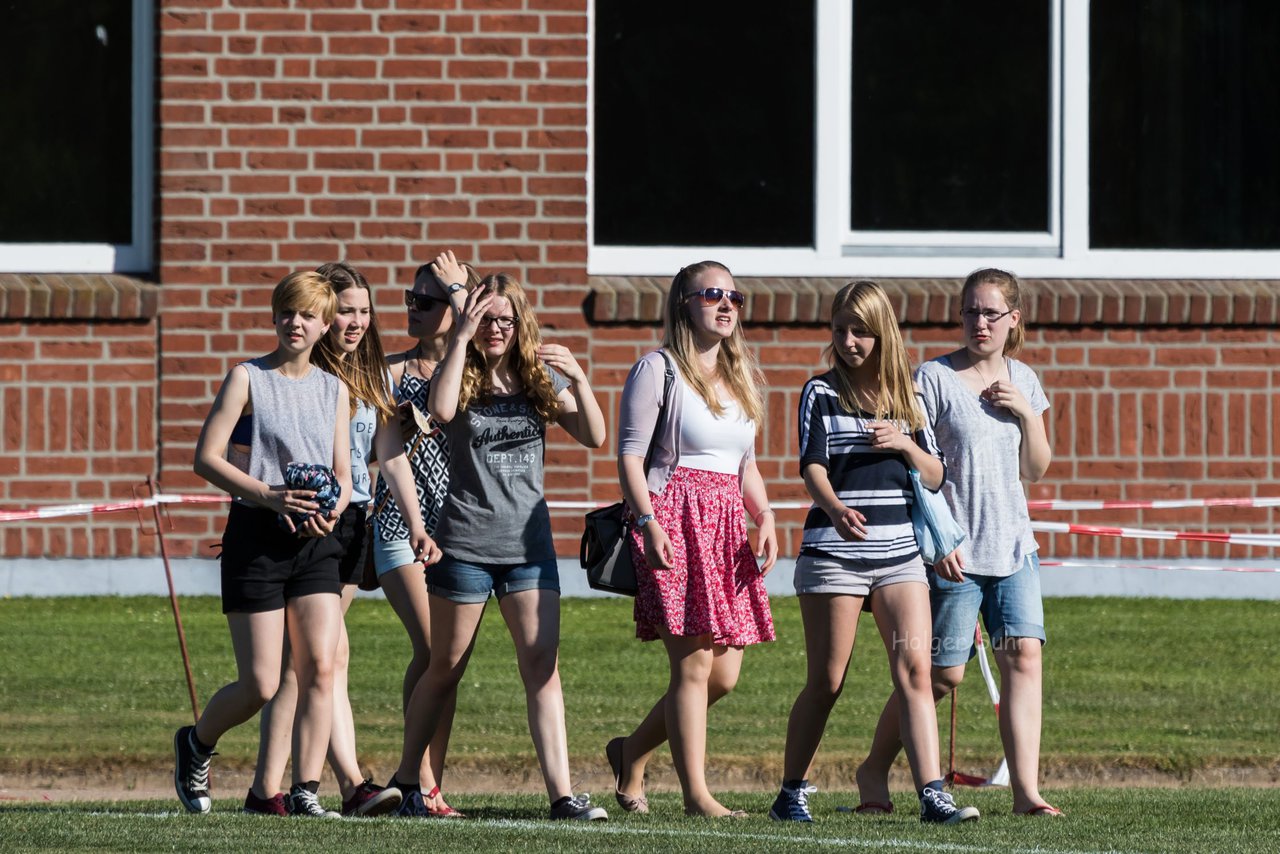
(353, 536)
(263, 564)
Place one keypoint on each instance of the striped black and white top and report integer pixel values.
(876, 483)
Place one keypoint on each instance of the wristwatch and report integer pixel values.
(644, 520)
(454, 288)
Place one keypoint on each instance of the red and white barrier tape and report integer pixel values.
(56, 511)
(1271, 540)
(1073, 564)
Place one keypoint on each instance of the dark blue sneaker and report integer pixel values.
(190, 772)
(412, 806)
(793, 804)
(938, 807)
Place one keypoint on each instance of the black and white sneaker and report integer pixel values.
(577, 808)
(793, 804)
(938, 807)
(304, 803)
(191, 771)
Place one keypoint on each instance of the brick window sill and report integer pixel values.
(38, 296)
(1050, 302)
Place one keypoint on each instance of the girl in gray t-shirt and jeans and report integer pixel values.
(987, 412)
(495, 392)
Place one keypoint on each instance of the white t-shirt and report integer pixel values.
(710, 443)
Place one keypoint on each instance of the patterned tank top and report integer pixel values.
(430, 462)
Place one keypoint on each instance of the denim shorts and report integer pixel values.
(389, 554)
(471, 583)
(1010, 605)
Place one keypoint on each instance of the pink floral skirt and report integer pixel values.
(715, 586)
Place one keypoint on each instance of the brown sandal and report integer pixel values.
(613, 753)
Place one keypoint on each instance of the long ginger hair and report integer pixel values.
(477, 384)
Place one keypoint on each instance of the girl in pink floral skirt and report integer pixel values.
(701, 589)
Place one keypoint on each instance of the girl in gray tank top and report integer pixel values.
(270, 567)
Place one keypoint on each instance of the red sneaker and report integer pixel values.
(273, 805)
(369, 800)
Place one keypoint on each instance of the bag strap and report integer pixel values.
(413, 449)
(668, 379)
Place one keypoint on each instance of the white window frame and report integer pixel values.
(1061, 252)
(106, 257)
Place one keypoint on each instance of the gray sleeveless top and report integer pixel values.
(293, 420)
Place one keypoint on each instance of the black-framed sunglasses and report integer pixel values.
(990, 315)
(712, 296)
(422, 302)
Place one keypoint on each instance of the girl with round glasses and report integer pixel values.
(494, 395)
(987, 412)
(701, 590)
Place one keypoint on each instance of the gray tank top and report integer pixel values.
(293, 420)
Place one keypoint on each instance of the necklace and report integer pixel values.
(982, 376)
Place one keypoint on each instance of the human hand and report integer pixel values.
(449, 271)
(658, 552)
(849, 523)
(888, 436)
(318, 525)
(558, 356)
(287, 501)
(1007, 395)
(467, 318)
(424, 548)
(767, 544)
(950, 567)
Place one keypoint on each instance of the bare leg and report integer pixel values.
(342, 737)
(1021, 671)
(406, 590)
(454, 634)
(830, 627)
(692, 660)
(905, 624)
(275, 731)
(638, 747)
(314, 622)
(873, 774)
(257, 640)
(533, 619)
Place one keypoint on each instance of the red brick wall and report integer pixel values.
(291, 133)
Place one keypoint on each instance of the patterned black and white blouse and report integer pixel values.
(430, 462)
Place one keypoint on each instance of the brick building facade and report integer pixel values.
(382, 131)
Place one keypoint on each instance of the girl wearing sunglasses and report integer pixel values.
(987, 411)
(861, 434)
(495, 393)
(701, 590)
(438, 287)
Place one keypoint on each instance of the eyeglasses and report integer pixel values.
(712, 296)
(422, 302)
(990, 315)
(505, 323)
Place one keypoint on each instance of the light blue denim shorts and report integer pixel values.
(471, 583)
(387, 555)
(1010, 605)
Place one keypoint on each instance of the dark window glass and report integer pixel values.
(67, 131)
(1184, 125)
(951, 116)
(704, 123)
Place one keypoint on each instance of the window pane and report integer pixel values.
(1184, 123)
(703, 123)
(951, 116)
(66, 102)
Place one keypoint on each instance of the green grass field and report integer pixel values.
(1166, 686)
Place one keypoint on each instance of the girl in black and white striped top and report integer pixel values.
(861, 435)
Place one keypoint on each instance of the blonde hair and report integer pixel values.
(364, 370)
(305, 291)
(477, 384)
(1011, 290)
(735, 363)
(895, 395)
